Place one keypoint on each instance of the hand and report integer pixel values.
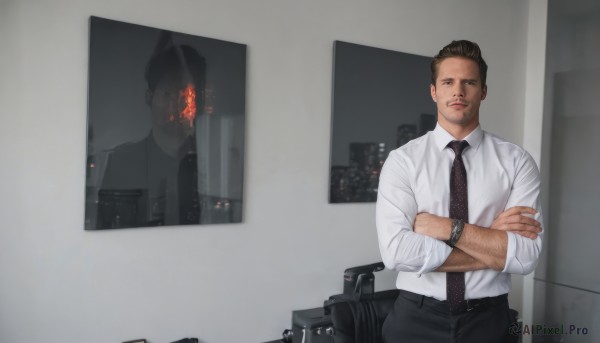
(433, 226)
(514, 220)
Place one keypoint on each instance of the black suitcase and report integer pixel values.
(311, 326)
(355, 316)
(358, 314)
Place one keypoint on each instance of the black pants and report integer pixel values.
(416, 318)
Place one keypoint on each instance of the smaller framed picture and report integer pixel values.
(381, 101)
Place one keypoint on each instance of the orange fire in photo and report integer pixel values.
(187, 98)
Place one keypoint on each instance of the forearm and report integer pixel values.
(459, 261)
(484, 245)
(493, 246)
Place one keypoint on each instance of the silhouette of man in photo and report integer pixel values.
(155, 181)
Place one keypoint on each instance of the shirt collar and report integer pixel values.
(443, 137)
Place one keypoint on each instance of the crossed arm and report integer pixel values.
(479, 248)
(411, 240)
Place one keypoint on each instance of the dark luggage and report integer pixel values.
(358, 314)
(355, 316)
(310, 326)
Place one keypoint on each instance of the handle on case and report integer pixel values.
(360, 281)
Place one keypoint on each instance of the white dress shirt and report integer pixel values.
(416, 178)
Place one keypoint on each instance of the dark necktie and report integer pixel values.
(459, 209)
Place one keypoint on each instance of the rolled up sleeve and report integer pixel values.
(401, 248)
(522, 253)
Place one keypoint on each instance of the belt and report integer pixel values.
(468, 305)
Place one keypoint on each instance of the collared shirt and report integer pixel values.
(161, 180)
(416, 178)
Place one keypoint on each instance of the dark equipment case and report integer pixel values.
(355, 316)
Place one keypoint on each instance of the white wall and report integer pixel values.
(221, 283)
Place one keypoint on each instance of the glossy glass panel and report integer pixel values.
(381, 100)
(165, 128)
(567, 287)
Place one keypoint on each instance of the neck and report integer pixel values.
(169, 144)
(458, 131)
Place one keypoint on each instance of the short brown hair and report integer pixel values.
(460, 48)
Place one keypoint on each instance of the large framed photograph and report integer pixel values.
(165, 134)
(381, 101)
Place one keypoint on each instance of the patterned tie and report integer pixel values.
(459, 209)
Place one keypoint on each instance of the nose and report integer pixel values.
(458, 90)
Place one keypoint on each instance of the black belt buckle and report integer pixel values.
(469, 307)
(477, 303)
(463, 307)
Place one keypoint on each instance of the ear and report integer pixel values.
(483, 92)
(432, 91)
(148, 97)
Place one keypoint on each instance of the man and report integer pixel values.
(155, 181)
(457, 214)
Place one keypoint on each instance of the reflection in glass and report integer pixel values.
(380, 102)
(167, 153)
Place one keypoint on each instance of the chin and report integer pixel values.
(177, 130)
(460, 119)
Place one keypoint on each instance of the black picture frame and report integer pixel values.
(166, 128)
(381, 100)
